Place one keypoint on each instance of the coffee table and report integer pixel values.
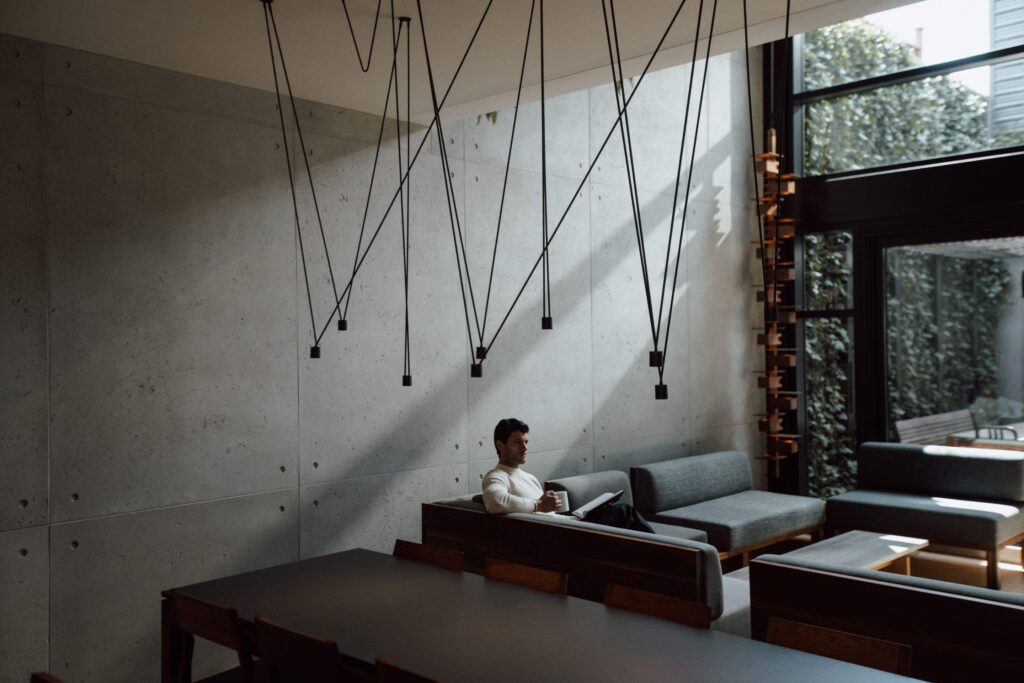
(860, 549)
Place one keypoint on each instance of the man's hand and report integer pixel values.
(549, 502)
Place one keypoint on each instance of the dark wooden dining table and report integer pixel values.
(458, 626)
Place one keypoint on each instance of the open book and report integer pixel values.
(603, 499)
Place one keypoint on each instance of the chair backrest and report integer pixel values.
(216, 623)
(655, 605)
(388, 672)
(523, 575)
(849, 647)
(297, 655)
(933, 429)
(430, 554)
(43, 677)
(686, 481)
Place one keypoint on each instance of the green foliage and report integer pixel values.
(828, 442)
(942, 315)
(922, 119)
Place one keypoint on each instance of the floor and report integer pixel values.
(970, 570)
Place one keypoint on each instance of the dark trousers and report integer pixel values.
(621, 515)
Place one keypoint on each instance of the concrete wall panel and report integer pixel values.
(21, 59)
(171, 276)
(371, 512)
(357, 418)
(541, 376)
(24, 602)
(23, 370)
(107, 574)
(623, 455)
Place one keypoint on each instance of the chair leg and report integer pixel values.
(992, 562)
(188, 644)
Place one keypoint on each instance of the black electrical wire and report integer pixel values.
(288, 159)
(679, 171)
(373, 38)
(408, 209)
(508, 165)
(619, 87)
(590, 169)
(302, 144)
(686, 201)
(419, 149)
(403, 194)
(753, 158)
(546, 271)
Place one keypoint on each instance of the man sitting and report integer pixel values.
(509, 488)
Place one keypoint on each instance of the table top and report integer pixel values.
(861, 549)
(458, 626)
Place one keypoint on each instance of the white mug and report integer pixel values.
(563, 501)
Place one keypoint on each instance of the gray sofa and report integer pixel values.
(714, 493)
(942, 631)
(966, 497)
(592, 555)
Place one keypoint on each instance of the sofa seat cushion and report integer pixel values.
(735, 617)
(977, 523)
(747, 519)
(676, 531)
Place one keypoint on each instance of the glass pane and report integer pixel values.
(828, 271)
(928, 118)
(918, 34)
(831, 466)
(954, 331)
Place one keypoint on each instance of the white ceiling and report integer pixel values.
(226, 40)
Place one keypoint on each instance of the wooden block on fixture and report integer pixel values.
(768, 166)
(770, 423)
(782, 402)
(772, 381)
(780, 360)
(771, 339)
(780, 274)
(783, 444)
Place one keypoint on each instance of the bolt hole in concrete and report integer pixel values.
(68, 111)
(282, 468)
(67, 64)
(23, 503)
(456, 446)
(281, 508)
(456, 480)
(316, 503)
(23, 552)
(74, 544)
(316, 465)
(17, 103)
(74, 496)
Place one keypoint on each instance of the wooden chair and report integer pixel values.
(849, 647)
(293, 655)
(523, 575)
(429, 554)
(387, 672)
(43, 677)
(213, 622)
(657, 605)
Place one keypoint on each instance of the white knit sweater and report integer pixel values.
(510, 489)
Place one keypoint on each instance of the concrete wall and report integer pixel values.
(161, 420)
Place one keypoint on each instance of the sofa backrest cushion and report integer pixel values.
(988, 474)
(936, 585)
(586, 487)
(685, 481)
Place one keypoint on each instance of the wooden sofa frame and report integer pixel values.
(950, 637)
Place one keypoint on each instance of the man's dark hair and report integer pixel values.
(505, 427)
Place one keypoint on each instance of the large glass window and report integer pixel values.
(954, 324)
(889, 88)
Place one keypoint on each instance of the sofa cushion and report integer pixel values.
(676, 531)
(970, 522)
(909, 581)
(685, 481)
(586, 487)
(988, 474)
(748, 518)
(710, 565)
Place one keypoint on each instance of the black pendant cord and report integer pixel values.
(686, 200)
(373, 38)
(679, 177)
(288, 160)
(343, 320)
(305, 155)
(508, 165)
(546, 271)
(449, 190)
(590, 169)
(619, 87)
(753, 158)
(403, 194)
(408, 188)
(774, 294)
(394, 197)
